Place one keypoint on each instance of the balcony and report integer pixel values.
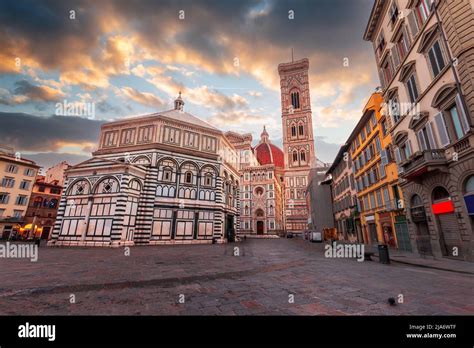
(423, 162)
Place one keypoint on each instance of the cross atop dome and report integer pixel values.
(179, 103)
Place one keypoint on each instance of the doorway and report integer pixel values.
(260, 227)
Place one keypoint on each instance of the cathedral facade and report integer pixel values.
(170, 177)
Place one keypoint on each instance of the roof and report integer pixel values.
(183, 116)
(339, 156)
(269, 154)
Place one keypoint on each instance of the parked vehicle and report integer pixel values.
(316, 237)
(289, 235)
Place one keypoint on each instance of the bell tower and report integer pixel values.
(298, 142)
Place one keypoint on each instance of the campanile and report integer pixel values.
(298, 142)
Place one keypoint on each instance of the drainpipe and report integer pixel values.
(434, 6)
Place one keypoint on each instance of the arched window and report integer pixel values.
(259, 191)
(293, 130)
(440, 194)
(301, 129)
(188, 179)
(295, 156)
(295, 100)
(416, 201)
(469, 186)
(246, 209)
(53, 204)
(259, 213)
(303, 156)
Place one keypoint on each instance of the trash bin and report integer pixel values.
(383, 254)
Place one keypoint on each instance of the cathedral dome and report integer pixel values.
(267, 153)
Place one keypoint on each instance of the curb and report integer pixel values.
(425, 266)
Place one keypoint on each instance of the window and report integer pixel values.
(411, 88)
(367, 128)
(11, 168)
(41, 189)
(295, 156)
(423, 10)
(403, 152)
(394, 109)
(455, 119)
(29, 172)
(21, 200)
(436, 59)
(303, 156)
(191, 139)
(362, 134)
(426, 140)
(384, 127)
(402, 45)
(393, 13)
(188, 178)
(380, 42)
(293, 130)
(301, 129)
(172, 135)
(17, 214)
(8, 182)
(25, 185)
(209, 143)
(4, 197)
(295, 100)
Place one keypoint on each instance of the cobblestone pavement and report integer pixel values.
(265, 279)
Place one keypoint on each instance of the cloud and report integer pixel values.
(49, 159)
(37, 93)
(144, 98)
(27, 132)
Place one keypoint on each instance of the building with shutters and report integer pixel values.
(379, 198)
(167, 177)
(261, 185)
(344, 199)
(425, 56)
(17, 176)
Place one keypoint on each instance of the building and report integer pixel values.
(167, 177)
(344, 199)
(425, 52)
(317, 197)
(44, 202)
(298, 143)
(261, 188)
(16, 182)
(380, 200)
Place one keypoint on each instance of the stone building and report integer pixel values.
(298, 142)
(318, 195)
(425, 56)
(344, 200)
(167, 177)
(17, 175)
(261, 188)
(379, 198)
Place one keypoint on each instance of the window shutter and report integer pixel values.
(406, 35)
(382, 78)
(464, 120)
(431, 138)
(398, 158)
(377, 144)
(382, 170)
(421, 140)
(413, 24)
(383, 157)
(442, 131)
(396, 58)
(410, 148)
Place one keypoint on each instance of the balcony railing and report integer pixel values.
(422, 162)
(462, 145)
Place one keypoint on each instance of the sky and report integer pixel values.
(132, 57)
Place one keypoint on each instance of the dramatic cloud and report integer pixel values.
(147, 99)
(32, 133)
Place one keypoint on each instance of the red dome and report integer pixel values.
(269, 154)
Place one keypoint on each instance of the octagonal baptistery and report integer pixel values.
(167, 177)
